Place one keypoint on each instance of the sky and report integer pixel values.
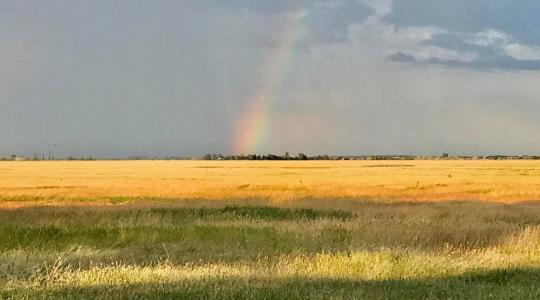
(339, 77)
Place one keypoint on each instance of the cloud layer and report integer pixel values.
(501, 34)
(119, 78)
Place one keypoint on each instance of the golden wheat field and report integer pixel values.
(270, 230)
(503, 181)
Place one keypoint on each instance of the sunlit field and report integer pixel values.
(124, 181)
(273, 230)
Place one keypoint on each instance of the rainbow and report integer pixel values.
(254, 127)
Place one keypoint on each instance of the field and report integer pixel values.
(273, 230)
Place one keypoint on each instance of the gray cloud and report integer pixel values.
(503, 62)
(402, 57)
(324, 21)
(331, 24)
(516, 25)
(262, 7)
(519, 19)
(489, 55)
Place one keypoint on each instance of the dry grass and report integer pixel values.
(118, 181)
(270, 230)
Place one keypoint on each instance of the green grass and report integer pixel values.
(375, 250)
(506, 284)
(252, 213)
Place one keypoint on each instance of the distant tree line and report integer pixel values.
(302, 156)
(286, 156)
(42, 157)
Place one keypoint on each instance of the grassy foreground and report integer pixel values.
(137, 246)
(394, 250)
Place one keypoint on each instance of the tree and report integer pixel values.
(302, 156)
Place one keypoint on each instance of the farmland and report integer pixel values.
(213, 229)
